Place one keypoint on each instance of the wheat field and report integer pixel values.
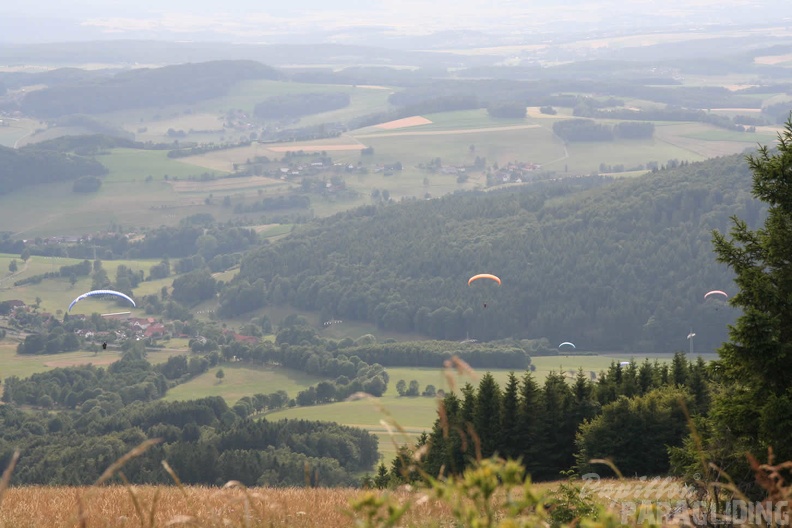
(149, 506)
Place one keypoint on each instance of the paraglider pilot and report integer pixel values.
(104, 345)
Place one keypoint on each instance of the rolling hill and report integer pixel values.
(611, 265)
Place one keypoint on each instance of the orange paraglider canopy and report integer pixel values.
(483, 276)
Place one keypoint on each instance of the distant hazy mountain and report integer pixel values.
(395, 21)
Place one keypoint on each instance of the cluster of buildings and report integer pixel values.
(514, 172)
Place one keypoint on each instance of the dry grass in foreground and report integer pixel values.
(150, 506)
(114, 506)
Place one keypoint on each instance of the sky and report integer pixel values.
(261, 20)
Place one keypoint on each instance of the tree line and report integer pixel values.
(589, 130)
(631, 414)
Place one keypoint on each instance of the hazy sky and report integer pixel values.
(246, 20)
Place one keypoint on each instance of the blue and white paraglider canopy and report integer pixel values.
(101, 294)
(567, 343)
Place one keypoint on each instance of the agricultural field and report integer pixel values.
(24, 366)
(242, 380)
(233, 505)
(148, 189)
(57, 293)
(127, 197)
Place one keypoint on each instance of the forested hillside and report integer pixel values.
(184, 83)
(19, 168)
(622, 266)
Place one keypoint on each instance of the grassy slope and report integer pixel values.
(242, 381)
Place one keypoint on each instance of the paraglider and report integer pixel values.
(483, 276)
(474, 278)
(715, 292)
(101, 294)
(567, 343)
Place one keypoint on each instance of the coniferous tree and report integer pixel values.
(510, 442)
(752, 407)
(582, 406)
(467, 419)
(529, 417)
(486, 416)
(446, 454)
(556, 445)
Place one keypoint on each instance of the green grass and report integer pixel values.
(125, 198)
(12, 364)
(241, 381)
(56, 294)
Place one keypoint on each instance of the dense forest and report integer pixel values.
(621, 266)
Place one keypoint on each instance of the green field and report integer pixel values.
(125, 198)
(242, 381)
(12, 364)
(56, 294)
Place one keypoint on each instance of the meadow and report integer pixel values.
(134, 194)
(12, 364)
(243, 380)
(57, 293)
